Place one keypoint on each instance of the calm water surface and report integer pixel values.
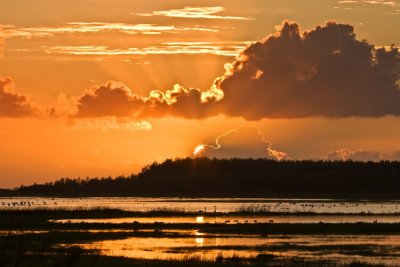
(372, 249)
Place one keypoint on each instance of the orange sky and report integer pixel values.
(87, 87)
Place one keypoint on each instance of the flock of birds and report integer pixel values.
(324, 207)
(245, 221)
(25, 203)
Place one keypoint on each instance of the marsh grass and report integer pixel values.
(106, 212)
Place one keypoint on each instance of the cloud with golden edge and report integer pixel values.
(211, 12)
(116, 99)
(324, 72)
(241, 142)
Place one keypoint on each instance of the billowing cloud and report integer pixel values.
(211, 12)
(13, 104)
(115, 99)
(325, 72)
(242, 142)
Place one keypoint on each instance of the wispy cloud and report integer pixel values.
(8, 31)
(372, 2)
(168, 48)
(109, 124)
(211, 12)
(395, 12)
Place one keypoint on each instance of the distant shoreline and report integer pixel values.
(293, 198)
(236, 178)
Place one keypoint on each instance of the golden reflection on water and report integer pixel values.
(199, 239)
(199, 219)
(209, 247)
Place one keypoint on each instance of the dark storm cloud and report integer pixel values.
(324, 72)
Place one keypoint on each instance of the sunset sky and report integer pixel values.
(105, 87)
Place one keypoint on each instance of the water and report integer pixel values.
(186, 244)
(206, 204)
(372, 249)
(245, 219)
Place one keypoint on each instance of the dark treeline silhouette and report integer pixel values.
(204, 177)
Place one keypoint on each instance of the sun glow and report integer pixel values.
(198, 149)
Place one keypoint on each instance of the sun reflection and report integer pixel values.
(199, 240)
(199, 219)
(198, 149)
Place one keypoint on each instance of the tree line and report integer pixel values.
(204, 177)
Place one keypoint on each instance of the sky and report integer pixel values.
(96, 88)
